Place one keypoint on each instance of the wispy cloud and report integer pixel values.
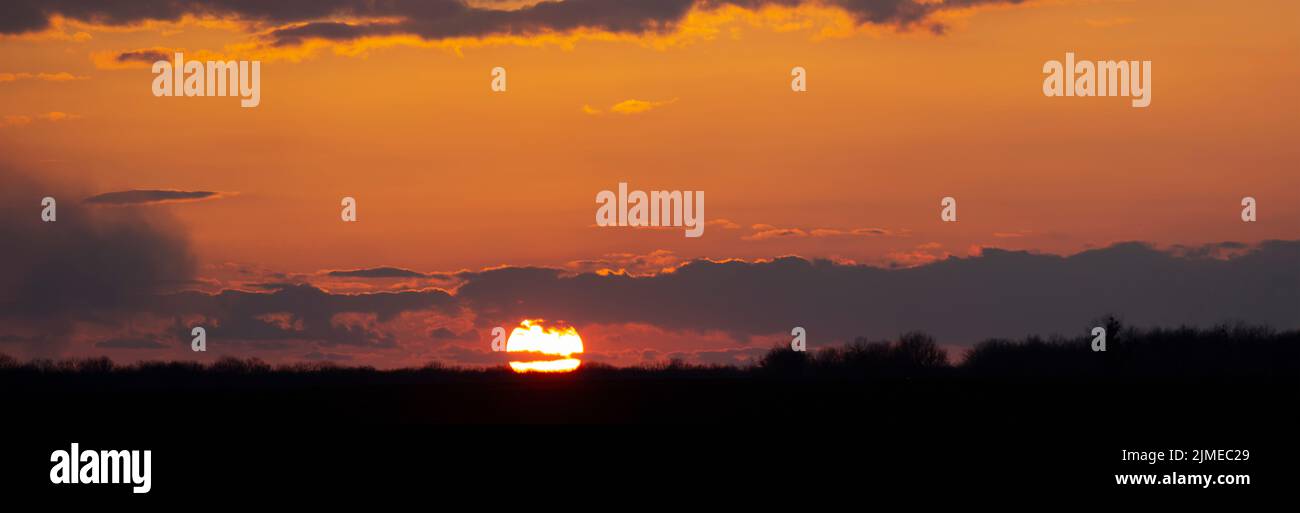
(376, 272)
(132, 59)
(639, 106)
(657, 261)
(725, 224)
(150, 196)
(852, 232)
(131, 343)
(14, 120)
(922, 254)
(767, 232)
(629, 107)
(61, 76)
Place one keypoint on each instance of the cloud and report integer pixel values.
(443, 20)
(853, 232)
(87, 267)
(921, 254)
(725, 224)
(61, 76)
(149, 196)
(628, 107)
(58, 116)
(444, 333)
(997, 293)
(377, 272)
(15, 120)
(108, 279)
(1220, 250)
(638, 106)
(141, 58)
(302, 313)
(109, 273)
(656, 261)
(294, 22)
(768, 232)
(23, 120)
(131, 343)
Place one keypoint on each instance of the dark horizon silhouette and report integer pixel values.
(1223, 349)
(1255, 363)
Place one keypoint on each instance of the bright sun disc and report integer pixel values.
(559, 344)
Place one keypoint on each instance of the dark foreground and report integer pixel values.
(1018, 419)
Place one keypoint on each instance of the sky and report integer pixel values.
(475, 208)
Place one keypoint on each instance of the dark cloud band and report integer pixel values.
(959, 300)
(296, 20)
(377, 272)
(307, 313)
(145, 56)
(146, 196)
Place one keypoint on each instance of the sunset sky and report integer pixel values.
(481, 203)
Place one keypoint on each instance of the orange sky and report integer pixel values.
(450, 175)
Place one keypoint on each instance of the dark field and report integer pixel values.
(1237, 376)
(1046, 415)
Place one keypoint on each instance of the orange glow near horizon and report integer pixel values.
(532, 337)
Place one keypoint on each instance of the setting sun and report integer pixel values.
(551, 349)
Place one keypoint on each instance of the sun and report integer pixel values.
(548, 349)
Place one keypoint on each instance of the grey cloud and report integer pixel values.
(309, 313)
(146, 56)
(447, 334)
(959, 300)
(147, 196)
(613, 16)
(435, 19)
(88, 266)
(131, 343)
(377, 272)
